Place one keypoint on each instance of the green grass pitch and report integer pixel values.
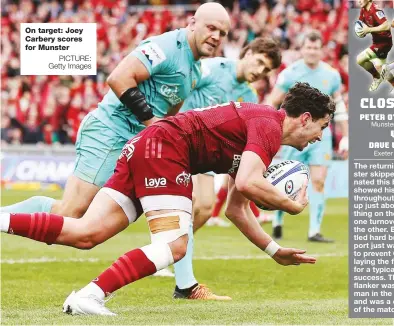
(263, 292)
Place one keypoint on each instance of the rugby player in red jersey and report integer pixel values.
(376, 23)
(153, 175)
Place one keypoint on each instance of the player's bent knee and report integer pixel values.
(169, 235)
(169, 231)
(361, 59)
(318, 184)
(179, 247)
(163, 254)
(88, 240)
(85, 244)
(82, 234)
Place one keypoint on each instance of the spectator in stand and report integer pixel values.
(120, 28)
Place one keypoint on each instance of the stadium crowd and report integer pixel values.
(49, 109)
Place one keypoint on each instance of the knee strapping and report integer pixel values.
(169, 226)
(164, 229)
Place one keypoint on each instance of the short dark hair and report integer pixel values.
(303, 98)
(312, 36)
(265, 45)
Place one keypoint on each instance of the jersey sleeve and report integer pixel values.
(379, 16)
(284, 81)
(264, 138)
(154, 55)
(337, 82)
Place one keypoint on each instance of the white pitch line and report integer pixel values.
(41, 260)
(48, 260)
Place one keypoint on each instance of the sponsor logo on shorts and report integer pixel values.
(289, 186)
(235, 165)
(155, 183)
(183, 179)
(128, 149)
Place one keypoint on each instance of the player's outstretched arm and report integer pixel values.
(251, 183)
(291, 256)
(124, 80)
(238, 211)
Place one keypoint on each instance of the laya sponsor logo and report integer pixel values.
(183, 179)
(235, 165)
(128, 149)
(155, 183)
(153, 53)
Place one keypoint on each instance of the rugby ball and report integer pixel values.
(288, 177)
(358, 28)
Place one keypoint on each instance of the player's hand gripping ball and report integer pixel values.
(288, 177)
(358, 28)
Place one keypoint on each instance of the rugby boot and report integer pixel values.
(318, 237)
(198, 292)
(77, 304)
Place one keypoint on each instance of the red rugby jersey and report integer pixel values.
(375, 17)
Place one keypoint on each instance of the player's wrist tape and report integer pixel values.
(135, 101)
(272, 248)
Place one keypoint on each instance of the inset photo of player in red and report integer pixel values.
(387, 72)
(374, 22)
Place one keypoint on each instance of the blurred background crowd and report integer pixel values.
(49, 109)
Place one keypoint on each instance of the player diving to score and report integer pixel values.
(318, 156)
(373, 58)
(236, 138)
(151, 82)
(222, 80)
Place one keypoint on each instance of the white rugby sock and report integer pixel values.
(4, 222)
(92, 288)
